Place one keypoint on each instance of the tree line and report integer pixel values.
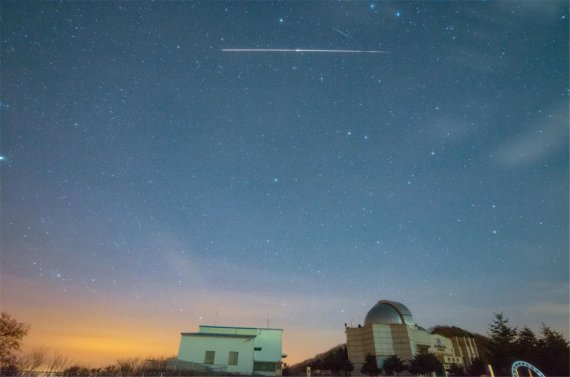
(548, 351)
(52, 363)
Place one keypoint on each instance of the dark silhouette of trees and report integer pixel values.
(425, 364)
(477, 367)
(549, 353)
(129, 367)
(348, 367)
(56, 363)
(33, 360)
(393, 364)
(456, 370)
(370, 367)
(334, 360)
(77, 371)
(502, 345)
(553, 353)
(526, 346)
(11, 334)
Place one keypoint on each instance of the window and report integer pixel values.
(257, 348)
(261, 366)
(209, 358)
(233, 358)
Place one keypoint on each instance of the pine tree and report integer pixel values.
(502, 344)
(526, 346)
(393, 364)
(425, 364)
(370, 367)
(553, 353)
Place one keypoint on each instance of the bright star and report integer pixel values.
(2, 158)
(398, 14)
(281, 20)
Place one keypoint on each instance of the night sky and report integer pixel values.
(152, 182)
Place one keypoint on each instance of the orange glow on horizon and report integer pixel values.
(95, 331)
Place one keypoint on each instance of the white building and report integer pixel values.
(239, 350)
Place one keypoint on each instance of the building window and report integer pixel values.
(233, 358)
(209, 358)
(262, 366)
(257, 348)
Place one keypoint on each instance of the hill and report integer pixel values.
(316, 362)
(481, 341)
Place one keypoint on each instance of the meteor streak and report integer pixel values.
(303, 50)
(341, 32)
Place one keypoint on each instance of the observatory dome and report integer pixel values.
(389, 313)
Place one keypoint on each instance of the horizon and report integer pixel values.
(152, 181)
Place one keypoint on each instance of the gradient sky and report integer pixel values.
(152, 182)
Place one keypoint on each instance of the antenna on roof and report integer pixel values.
(267, 319)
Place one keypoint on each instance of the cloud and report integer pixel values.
(548, 136)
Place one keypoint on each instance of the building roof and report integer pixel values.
(217, 335)
(389, 313)
(238, 327)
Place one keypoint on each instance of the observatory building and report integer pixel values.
(232, 350)
(389, 329)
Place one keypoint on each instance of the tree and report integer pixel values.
(77, 371)
(316, 365)
(56, 363)
(502, 344)
(456, 370)
(477, 367)
(333, 362)
(347, 367)
(32, 361)
(370, 367)
(425, 364)
(11, 334)
(553, 351)
(393, 364)
(129, 367)
(526, 346)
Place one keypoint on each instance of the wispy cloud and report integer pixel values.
(548, 136)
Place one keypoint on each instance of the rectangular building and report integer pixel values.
(239, 350)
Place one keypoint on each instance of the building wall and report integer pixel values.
(405, 341)
(360, 342)
(466, 349)
(270, 342)
(445, 352)
(193, 349)
(260, 350)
